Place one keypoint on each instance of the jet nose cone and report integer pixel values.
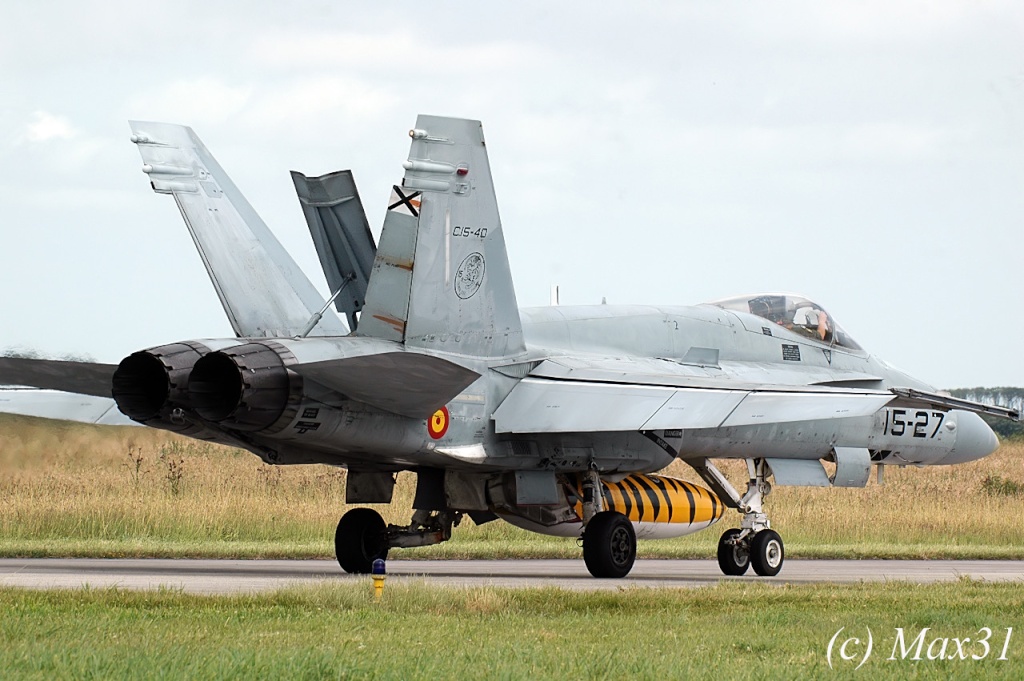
(974, 439)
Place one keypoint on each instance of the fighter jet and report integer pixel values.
(554, 419)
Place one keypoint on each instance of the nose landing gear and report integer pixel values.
(733, 554)
(754, 543)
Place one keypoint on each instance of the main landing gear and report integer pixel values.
(754, 543)
(362, 536)
(609, 542)
(609, 545)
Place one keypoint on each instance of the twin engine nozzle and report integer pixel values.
(176, 387)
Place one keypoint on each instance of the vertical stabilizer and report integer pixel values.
(441, 277)
(341, 235)
(263, 291)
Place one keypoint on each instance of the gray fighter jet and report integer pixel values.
(553, 419)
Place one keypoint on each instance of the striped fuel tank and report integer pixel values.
(660, 506)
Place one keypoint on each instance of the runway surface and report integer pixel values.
(241, 576)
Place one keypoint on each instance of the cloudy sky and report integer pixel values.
(869, 155)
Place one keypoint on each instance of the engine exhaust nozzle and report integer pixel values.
(244, 388)
(148, 382)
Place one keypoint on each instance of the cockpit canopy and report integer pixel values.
(796, 313)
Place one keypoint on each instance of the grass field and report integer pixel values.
(78, 490)
(730, 631)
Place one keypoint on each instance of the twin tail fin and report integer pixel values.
(441, 278)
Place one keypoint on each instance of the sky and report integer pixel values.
(869, 155)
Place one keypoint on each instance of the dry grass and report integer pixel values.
(71, 481)
(72, 489)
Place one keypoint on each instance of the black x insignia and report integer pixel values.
(407, 200)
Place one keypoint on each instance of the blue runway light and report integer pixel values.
(377, 572)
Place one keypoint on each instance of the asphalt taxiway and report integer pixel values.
(241, 576)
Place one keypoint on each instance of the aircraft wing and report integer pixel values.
(54, 404)
(84, 378)
(58, 389)
(641, 393)
(540, 405)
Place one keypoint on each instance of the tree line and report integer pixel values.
(1003, 397)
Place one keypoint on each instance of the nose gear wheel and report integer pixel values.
(766, 553)
(733, 556)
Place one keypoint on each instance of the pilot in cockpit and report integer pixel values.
(813, 322)
(794, 313)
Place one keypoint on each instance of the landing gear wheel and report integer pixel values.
(360, 539)
(609, 545)
(766, 553)
(734, 559)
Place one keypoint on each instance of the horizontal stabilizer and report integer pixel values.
(53, 404)
(405, 383)
(263, 291)
(543, 406)
(341, 234)
(85, 378)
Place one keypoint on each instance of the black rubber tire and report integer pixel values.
(767, 553)
(609, 545)
(360, 539)
(733, 560)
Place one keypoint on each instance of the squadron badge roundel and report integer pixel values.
(437, 426)
(470, 275)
